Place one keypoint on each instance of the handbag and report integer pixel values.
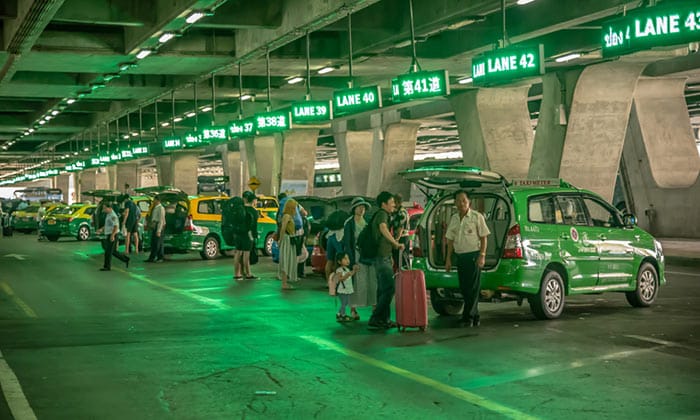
(253, 255)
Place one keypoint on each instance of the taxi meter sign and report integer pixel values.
(253, 183)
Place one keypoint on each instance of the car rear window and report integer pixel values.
(543, 209)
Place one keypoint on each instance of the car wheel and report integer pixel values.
(211, 248)
(647, 287)
(549, 302)
(267, 249)
(83, 233)
(52, 238)
(445, 306)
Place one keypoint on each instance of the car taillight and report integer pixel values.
(514, 244)
(417, 239)
(70, 219)
(189, 226)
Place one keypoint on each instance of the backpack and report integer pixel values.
(367, 241)
(234, 220)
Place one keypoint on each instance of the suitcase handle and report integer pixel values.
(403, 254)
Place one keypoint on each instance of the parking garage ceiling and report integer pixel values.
(78, 57)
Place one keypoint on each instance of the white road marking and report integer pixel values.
(12, 390)
(18, 301)
(682, 273)
(207, 289)
(659, 341)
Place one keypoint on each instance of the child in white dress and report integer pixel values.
(343, 278)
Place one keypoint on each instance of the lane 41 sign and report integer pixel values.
(419, 85)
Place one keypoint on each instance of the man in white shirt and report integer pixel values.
(111, 230)
(466, 237)
(157, 224)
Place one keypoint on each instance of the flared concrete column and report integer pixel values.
(111, 172)
(248, 166)
(268, 163)
(127, 173)
(354, 156)
(378, 123)
(231, 161)
(597, 126)
(299, 157)
(664, 212)
(91, 179)
(179, 170)
(557, 94)
(666, 132)
(399, 152)
(495, 130)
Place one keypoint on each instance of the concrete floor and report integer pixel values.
(183, 340)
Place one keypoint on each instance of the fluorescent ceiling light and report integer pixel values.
(177, 119)
(164, 124)
(75, 153)
(127, 66)
(31, 130)
(48, 117)
(70, 101)
(54, 112)
(42, 122)
(125, 136)
(134, 134)
(326, 69)
(522, 2)
(194, 16)
(190, 114)
(295, 80)
(567, 57)
(86, 149)
(465, 80)
(206, 109)
(166, 37)
(246, 96)
(143, 54)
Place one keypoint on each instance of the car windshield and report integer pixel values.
(32, 209)
(65, 210)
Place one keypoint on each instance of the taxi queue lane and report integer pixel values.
(183, 340)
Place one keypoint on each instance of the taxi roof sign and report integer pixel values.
(543, 182)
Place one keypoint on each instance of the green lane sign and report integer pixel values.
(94, 161)
(272, 122)
(507, 64)
(126, 154)
(352, 101)
(115, 156)
(650, 27)
(172, 143)
(194, 139)
(419, 85)
(140, 150)
(242, 128)
(105, 159)
(214, 134)
(311, 112)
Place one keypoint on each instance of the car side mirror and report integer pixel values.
(629, 220)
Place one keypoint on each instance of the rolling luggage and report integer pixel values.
(411, 300)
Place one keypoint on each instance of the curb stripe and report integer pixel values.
(11, 388)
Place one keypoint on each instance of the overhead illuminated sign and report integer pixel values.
(419, 85)
(272, 122)
(115, 156)
(214, 134)
(94, 161)
(105, 159)
(172, 143)
(506, 64)
(126, 154)
(352, 101)
(140, 150)
(193, 140)
(649, 27)
(242, 128)
(310, 112)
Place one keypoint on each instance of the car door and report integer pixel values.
(614, 243)
(577, 247)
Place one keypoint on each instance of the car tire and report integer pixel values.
(444, 306)
(267, 246)
(647, 287)
(548, 303)
(210, 249)
(52, 238)
(83, 233)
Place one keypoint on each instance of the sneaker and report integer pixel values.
(375, 325)
(476, 321)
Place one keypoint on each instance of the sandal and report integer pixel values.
(355, 316)
(288, 287)
(250, 277)
(238, 277)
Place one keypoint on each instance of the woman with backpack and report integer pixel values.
(365, 293)
(287, 269)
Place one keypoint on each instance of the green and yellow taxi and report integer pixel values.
(548, 240)
(71, 221)
(26, 220)
(193, 223)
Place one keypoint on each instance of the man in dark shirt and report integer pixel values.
(251, 200)
(381, 316)
(130, 221)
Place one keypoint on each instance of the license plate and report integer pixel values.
(52, 222)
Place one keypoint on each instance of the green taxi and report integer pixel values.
(26, 220)
(73, 221)
(548, 240)
(193, 223)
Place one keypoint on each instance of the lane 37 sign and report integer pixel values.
(650, 27)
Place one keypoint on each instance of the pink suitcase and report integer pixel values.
(411, 300)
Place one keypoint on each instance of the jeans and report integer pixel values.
(157, 249)
(469, 275)
(385, 289)
(344, 301)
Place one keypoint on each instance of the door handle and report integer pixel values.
(602, 237)
(565, 236)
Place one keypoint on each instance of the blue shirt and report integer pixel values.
(111, 220)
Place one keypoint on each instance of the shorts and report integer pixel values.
(132, 227)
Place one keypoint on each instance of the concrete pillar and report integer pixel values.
(399, 152)
(268, 162)
(495, 130)
(62, 182)
(179, 170)
(299, 157)
(597, 126)
(92, 179)
(557, 94)
(664, 212)
(127, 173)
(354, 156)
(666, 132)
(231, 161)
(248, 166)
(111, 172)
